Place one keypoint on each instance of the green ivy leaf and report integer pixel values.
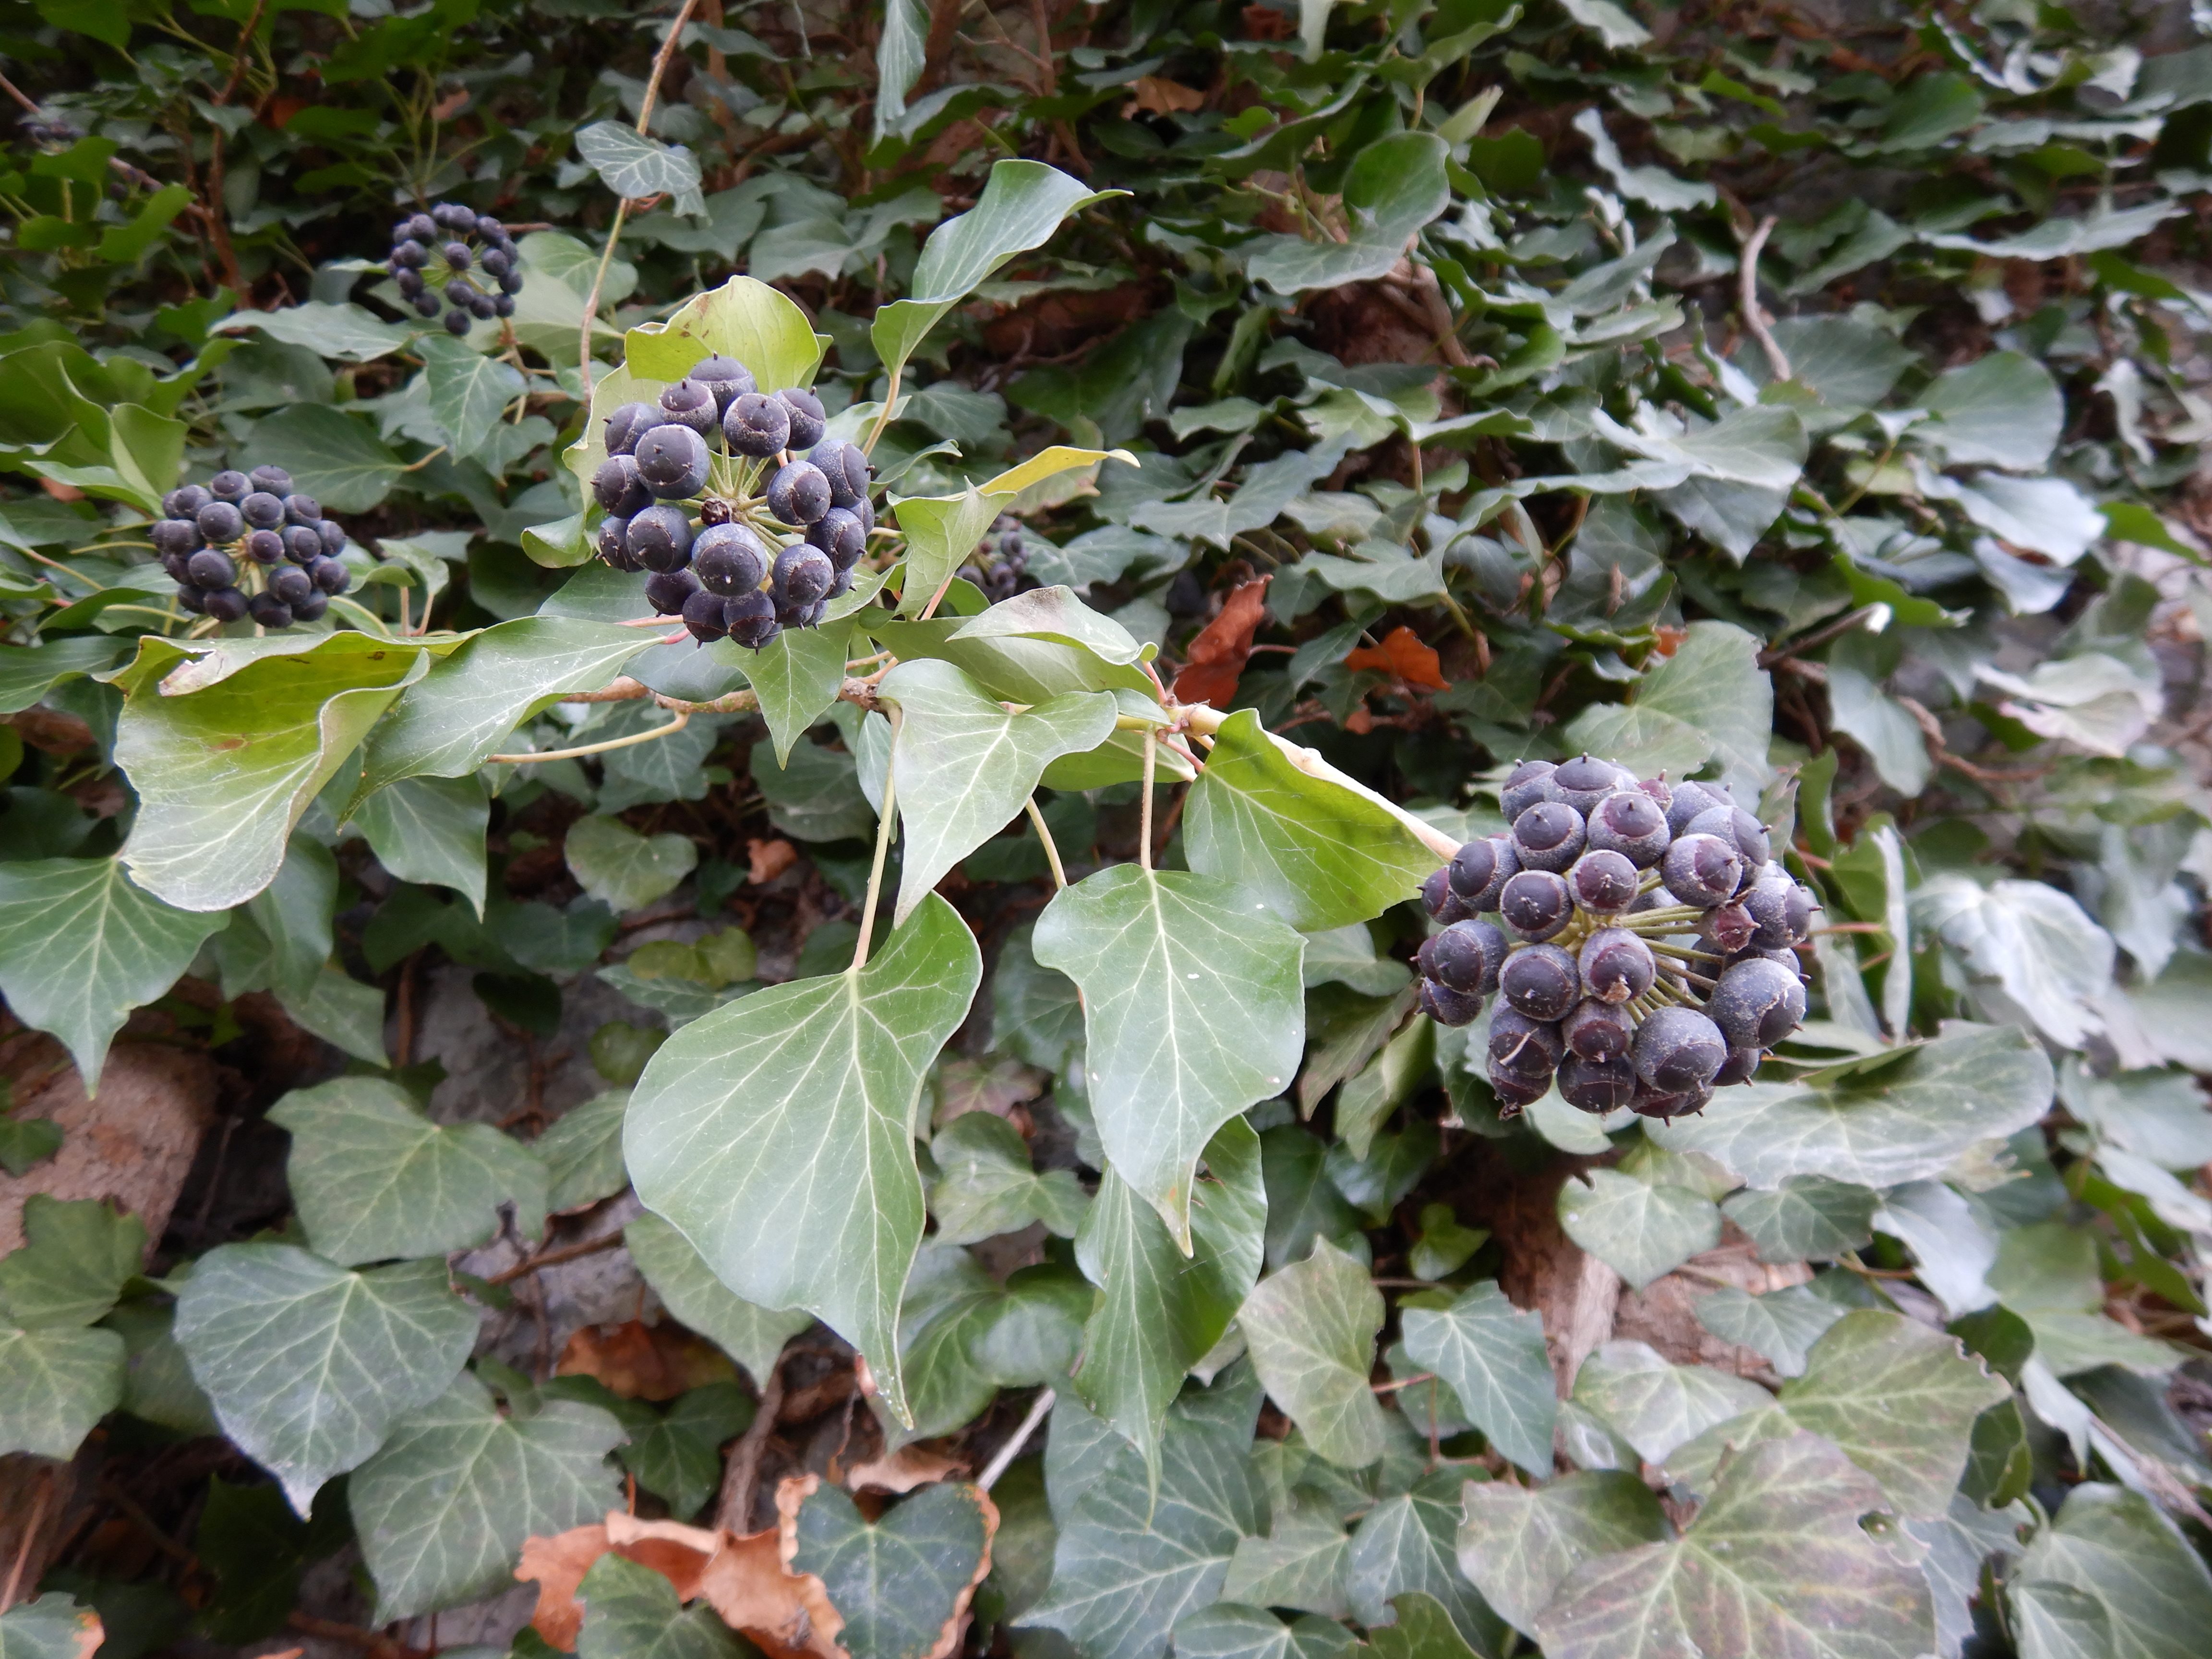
(451, 720)
(1311, 1330)
(2113, 1549)
(254, 1320)
(582, 1153)
(1228, 1631)
(469, 390)
(2002, 410)
(430, 830)
(630, 1612)
(941, 532)
(27, 1142)
(1776, 1562)
(796, 676)
(284, 939)
(751, 1335)
(373, 1178)
(677, 1455)
(1714, 684)
(634, 167)
(71, 1266)
(224, 772)
(1157, 1314)
(622, 869)
(1321, 851)
(816, 795)
(1657, 1407)
(1806, 1218)
(1193, 1010)
(1035, 1014)
(819, 1208)
(1303, 1203)
(986, 1185)
(1641, 1231)
(963, 764)
(1298, 1565)
(1519, 1544)
(81, 945)
(55, 1384)
(1492, 1355)
(331, 456)
(1404, 1546)
(443, 1508)
(1396, 185)
(1781, 1326)
(900, 1581)
(51, 1626)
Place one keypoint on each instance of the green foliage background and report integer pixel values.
(1438, 318)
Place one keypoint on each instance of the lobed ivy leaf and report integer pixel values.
(1780, 1326)
(622, 869)
(76, 1257)
(1492, 1355)
(631, 1611)
(1193, 1010)
(986, 1184)
(751, 1335)
(50, 1626)
(373, 1179)
(469, 390)
(443, 1508)
(1311, 1329)
(1396, 186)
(796, 676)
(1406, 1545)
(2110, 1576)
(963, 763)
(56, 1384)
(1322, 851)
(634, 167)
(777, 1132)
(1641, 1230)
(1299, 1564)
(1519, 1544)
(1805, 1217)
(430, 831)
(81, 945)
(1657, 1407)
(900, 1581)
(309, 1365)
(1229, 1630)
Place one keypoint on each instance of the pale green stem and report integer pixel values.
(883, 852)
(1051, 852)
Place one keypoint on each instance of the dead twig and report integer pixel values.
(554, 1258)
(733, 1508)
(1754, 319)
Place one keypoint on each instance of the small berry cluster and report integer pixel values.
(1641, 942)
(54, 131)
(1007, 574)
(435, 265)
(770, 548)
(243, 545)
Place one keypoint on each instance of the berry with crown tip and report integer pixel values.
(674, 461)
(302, 510)
(1688, 799)
(1597, 1086)
(660, 536)
(185, 499)
(703, 617)
(303, 545)
(1677, 1050)
(1481, 869)
(1529, 1047)
(667, 590)
(690, 405)
(614, 544)
(269, 611)
(798, 494)
(1781, 909)
(1540, 980)
(808, 421)
(180, 536)
(292, 585)
(1631, 823)
(757, 426)
(1534, 904)
(1549, 835)
(333, 537)
(802, 575)
(1465, 957)
(1728, 927)
(627, 424)
(1739, 1066)
(729, 560)
(230, 485)
(1598, 1030)
(225, 605)
(1616, 965)
(838, 533)
(1603, 882)
(725, 377)
(616, 486)
(312, 609)
(330, 575)
(1525, 785)
(1654, 1102)
(1445, 1006)
(750, 618)
(273, 479)
(847, 469)
(1756, 1004)
(1438, 899)
(1739, 829)
(1702, 870)
(263, 546)
(219, 522)
(211, 567)
(1583, 782)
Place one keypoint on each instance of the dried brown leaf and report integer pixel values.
(1402, 656)
(1217, 656)
(644, 1362)
(903, 1471)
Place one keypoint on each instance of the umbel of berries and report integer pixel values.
(1007, 574)
(246, 545)
(1639, 937)
(748, 515)
(458, 261)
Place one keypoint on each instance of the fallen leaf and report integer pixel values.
(750, 1583)
(645, 1362)
(1157, 95)
(903, 1471)
(1269, 23)
(1667, 641)
(557, 1562)
(794, 1492)
(1217, 656)
(768, 859)
(1402, 656)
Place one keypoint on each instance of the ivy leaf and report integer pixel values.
(1714, 684)
(680, 1277)
(373, 1178)
(1420, 1629)
(941, 531)
(1806, 1218)
(1193, 1010)
(1130, 1562)
(986, 1185)
(1396, 185)
(2032, 951)
(224, 772)
(455, 716)
(2002, 410)
(469, 390)
(2048, 1274)
(1035, 1014)
(1905, 1121)
(331, 456)
(622, 869)
(442, 1510)
(431, 831)
(677, 1455)
(796, 676)
(284, 941)
(1647, 741)
(630, 1612)
(1405, 1544)
(1299, 1564)
(963, 763)
(1157, 1315)
(634, 167)
(901, 1582)
(1781, 1326)
(1519, 1544)
(777, 1132)
(81, 945)
(2113, 1548)
(254, 1320)
(1492, 1355)
(816, 795)
(1021, 204)
(1311, 1330)
(27, 1142)
(1641, 1231)
(1776, 1562)
(55, 1384)
(1228, 1631)
(1657, 1407)
(1322, 852)
(71, 1266)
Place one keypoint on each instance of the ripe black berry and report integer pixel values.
(1540, 981)
(1677, 1050)
(798, 494)
(757, 426)
(230, 485)
(1582, 783)
(273, 479)
(302, 509)
(408, 254)
(1616, 965)
(672, 460)
(1525, 785)
(219, 522)
(1701, 869)
(667, 590)
(808, 422)
(1597, 1086)
(1729, 927)
(210, 568)
(456, 321)
(627, 424)
(1445, 1006)
(1534, 904)
(263, 546)
(1549, 835)
(269, 610)
(1530, 1048)
(1465, 958)
(838, 533)
(750, 618)
(1738, 828)
(845, 467)
(616, 486)
(225, 605)
(1603, 881)
(262, 510)
(729, 560)
(1781, 909)
(1481, 869)
(1438, 899)
(178, 536)
(614, 544)
(802, 575)
(303, 543)
(184, 500)
(1598, 1030)
(330, 575)
(1738, 1067)
(725, 377)
(660, 536)
(333, 536)
(703, 615)
(688, 404)
(1631, 823)
(292, 585)
(1691, 799)
(1756, 1004)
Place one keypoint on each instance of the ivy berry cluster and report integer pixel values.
(1007, 574)
(243, 545)
(457, 260)
(1638, 936)
(744, 536)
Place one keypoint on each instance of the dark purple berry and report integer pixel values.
(1465, 958)
(1657, 1103)
(725, 377)
(798, 494)
(689, 404)
(674, 461)
(802, 575)
(269, 610)
(331, 575)
(1782, 909)
(1525, 785)
(225, 605)
(1445, 1006)
(312, 608)
(273, 479)
(757, 426)
(1598, 1030)
(838, 533)
(292, 585)
(456, 321)
(1531, 1048)
(616, 486)
(627, 424)
(1677, 1050)
(1738, 828)
(1738, 1067)
(1548, 836)
(1631, 823)
(1540, 981)
(1534, 904)
(703, 615)
(668, 591)
(1481, 869)
(408, 256)
(845, 467)
(302, 509)
(263, 546)
(660, 536)
(1597, 1086)
(1701, 869)
(184, 500)
(178, 536)
(1691, 799)
(210, 568)
(1438, 899)
(614, 544)
(1729, 927)
(729, 560)
(1756, 1004)
(333, 537)
(230, 485)
(1582, 783)
(1604, 882)
(219, 522)
(262, 510)
(808, 422)
(750, 618)
(1616, 965)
